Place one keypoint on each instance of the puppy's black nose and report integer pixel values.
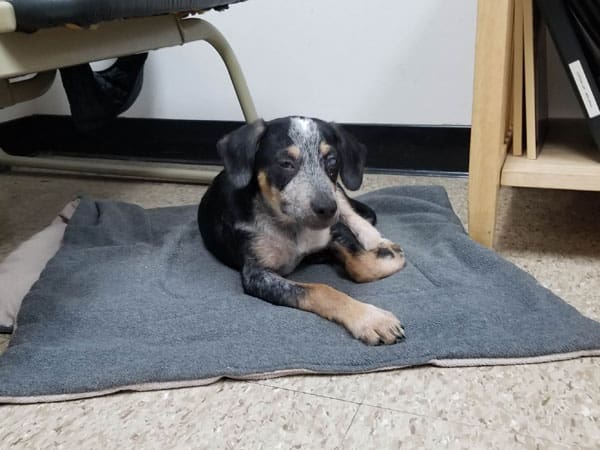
(324, 207)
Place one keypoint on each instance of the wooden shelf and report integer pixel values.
(568, 159)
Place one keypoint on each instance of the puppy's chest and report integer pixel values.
(282, 252)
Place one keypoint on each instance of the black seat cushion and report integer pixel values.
(35, 14)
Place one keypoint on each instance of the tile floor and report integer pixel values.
(554, 235)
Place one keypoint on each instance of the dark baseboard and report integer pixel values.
(394, 148)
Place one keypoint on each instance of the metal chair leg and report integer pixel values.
(198, 29)
(21, 91)
(189, 30)
(111, 167)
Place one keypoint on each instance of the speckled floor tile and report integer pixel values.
(380, 428)
(225, 415)
(342, 387)
(29, 202)
(554, 401)
(554, 235)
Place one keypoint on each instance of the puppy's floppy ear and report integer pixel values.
(238, 149)
(353, 155)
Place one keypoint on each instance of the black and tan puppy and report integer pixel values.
(278, 200)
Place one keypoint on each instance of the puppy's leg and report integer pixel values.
(365, 232)
(360, 208)
(364, 321)
(363, 251)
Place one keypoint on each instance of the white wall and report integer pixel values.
(396, 62)
(347, 60)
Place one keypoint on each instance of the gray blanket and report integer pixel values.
(134, 301)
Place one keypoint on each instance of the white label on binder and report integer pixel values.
(585, 90)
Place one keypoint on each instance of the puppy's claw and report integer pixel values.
(400, 332)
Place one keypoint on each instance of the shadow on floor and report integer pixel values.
(549, 221)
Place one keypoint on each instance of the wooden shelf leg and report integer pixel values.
(491, 94)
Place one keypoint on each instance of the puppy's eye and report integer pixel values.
(331, 162)
(287, 164)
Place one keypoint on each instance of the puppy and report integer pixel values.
(278, 201)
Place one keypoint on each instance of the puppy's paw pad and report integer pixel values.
(388, 249)
(390, 257)
(377, 326)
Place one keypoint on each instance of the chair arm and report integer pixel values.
(8, 21)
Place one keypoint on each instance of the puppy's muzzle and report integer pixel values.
(324, 209)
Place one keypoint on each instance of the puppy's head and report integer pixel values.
(295, 162)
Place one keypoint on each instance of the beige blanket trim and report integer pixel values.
(475, 362)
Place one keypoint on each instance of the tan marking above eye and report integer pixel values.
(294, 151)
(324, 148)
(270, 193)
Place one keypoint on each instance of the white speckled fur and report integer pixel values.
(310, 178)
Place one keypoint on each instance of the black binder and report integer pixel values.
(574, 26)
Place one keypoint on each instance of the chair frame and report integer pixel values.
(43, 52)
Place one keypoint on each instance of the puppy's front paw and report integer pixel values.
(390, 256)
(376, 326)
(384, 260)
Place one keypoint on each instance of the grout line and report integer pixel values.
(359, 405)
(350, 425)
(411, 413)
(306, 393)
